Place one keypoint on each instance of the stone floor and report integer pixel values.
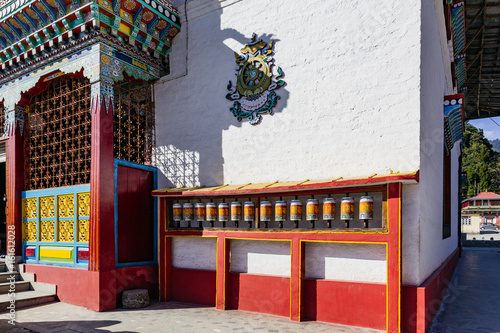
(158, 317)
(471, 305)
(472, 301)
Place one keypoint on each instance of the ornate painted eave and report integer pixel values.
(31, 30)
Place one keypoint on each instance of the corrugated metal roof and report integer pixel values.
(482, 78)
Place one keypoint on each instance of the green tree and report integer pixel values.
(480, 162)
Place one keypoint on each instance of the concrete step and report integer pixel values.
(19, 286)
(26, 298)
(5, 276)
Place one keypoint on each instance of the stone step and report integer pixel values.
(26, 298)
(19, 286)
(4, 276)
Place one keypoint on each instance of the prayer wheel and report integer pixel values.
(296, 212)
(265, 211)
(249, 211)
(187, 211)
(199, 212)
(223, 212)
(177, 212)
(280, 211)
(211, 212)
(347, 209)
(235, 211)
(366, 208)
(312, 210)
(328, 209)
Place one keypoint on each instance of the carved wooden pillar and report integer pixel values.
(102, 227)
(15, 179)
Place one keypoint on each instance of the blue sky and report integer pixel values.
(490, 129)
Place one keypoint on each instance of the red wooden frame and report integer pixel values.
(391, 237)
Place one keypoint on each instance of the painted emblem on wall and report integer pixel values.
(254, 93)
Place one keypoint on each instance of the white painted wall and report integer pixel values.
(261, 257)
(346, 262)
(194, 253)
(350, 108)
(411, 234)
(365, 86)
(433, 249)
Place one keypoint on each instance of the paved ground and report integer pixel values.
(471, 305)
(159, 317)
(472, 302)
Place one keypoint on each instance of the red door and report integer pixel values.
(135, 215)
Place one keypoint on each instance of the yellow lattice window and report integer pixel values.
(66, 232)
(47, 207)
(83, 204)
(66, 205)
(29, 231)
(46, 231)
(83, 230)
(29, 208)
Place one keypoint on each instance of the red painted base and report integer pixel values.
(193, 286)
(266, 294)
(420, 304)
(97, 291)
(347, 303)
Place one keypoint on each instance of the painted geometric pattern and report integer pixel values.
(47, 207)
(66, 232)
(83, 204)
(46, 231)
(83, 230)
(29, 231)
(29, 208)
(66, 205)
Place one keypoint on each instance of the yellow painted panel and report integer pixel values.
(125, 29)
(53, 253)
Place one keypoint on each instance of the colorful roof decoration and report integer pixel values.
(31, 29)
(458, 33)
(293, 186)
(453, 120)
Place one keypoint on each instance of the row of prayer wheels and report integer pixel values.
(237, 211)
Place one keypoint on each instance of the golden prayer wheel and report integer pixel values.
(223, 212)
(187, 211)
(199, 212)
(280, 211)
(366, 208)
(177, 212)
(265, 211)
(235, 211)
(328, 209)
(347, 208)
(312, 210)
(211, 209)
(296, 210)
(249, 211)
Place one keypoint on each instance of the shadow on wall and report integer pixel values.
(191, 105)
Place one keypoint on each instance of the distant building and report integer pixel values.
(482, 208)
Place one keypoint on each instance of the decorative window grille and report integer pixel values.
(133, 122)
(57, 139)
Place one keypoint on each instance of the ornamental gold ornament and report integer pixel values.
(254, 92)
